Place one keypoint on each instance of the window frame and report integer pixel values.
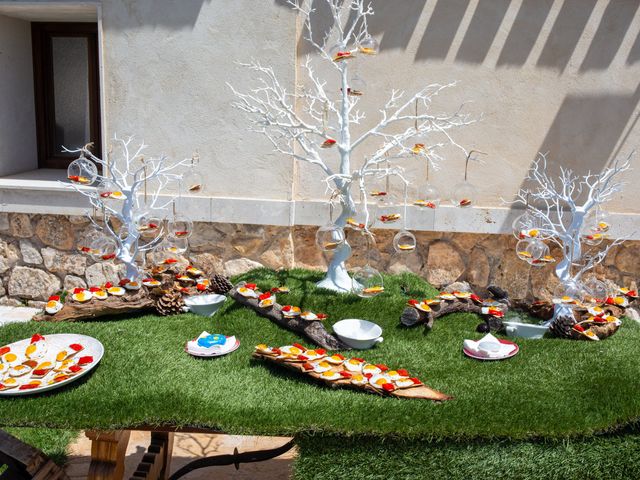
(42, 34)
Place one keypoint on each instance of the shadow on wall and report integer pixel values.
(547, 35)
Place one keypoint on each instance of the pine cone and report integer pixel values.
(562, 325)
(170, 303)
(220, 284)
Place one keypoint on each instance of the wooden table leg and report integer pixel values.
(156, 463)
(108, 450)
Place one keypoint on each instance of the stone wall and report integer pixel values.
(38, 256)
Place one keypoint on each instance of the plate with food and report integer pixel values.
(46, 362)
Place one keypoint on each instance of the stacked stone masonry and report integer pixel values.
(38, 257)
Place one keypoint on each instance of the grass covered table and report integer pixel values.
(552, 389)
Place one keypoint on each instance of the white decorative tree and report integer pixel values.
(567, 211)
(133, 220)
(297, 122)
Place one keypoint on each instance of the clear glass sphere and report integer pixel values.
(329, 237)
(544, 258)
(103, 248)
(357, 85)
(388, 208)
(367, 282)
(149, 225)
(404, 242)
(82, 171)
(596, 289)
(109, 192)
(180, 226)
(192, 182)
(530, 249)
(571, 290)
(526, 226)
(369, 46)
(428, 196)
(175, 246)
(339, 52)
(464, 194)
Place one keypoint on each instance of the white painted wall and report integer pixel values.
(547, 75)
(18, 149)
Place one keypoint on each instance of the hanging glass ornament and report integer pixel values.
(596, 289)
(369, 45)
(544, 259)
(82, 171)
(367, 282)
(180, 226)
(357, 86)
(103, 248)
(149, 225)
(404, 241)
(526, 226)
(596, 227)
(530, 249)
(192, 182)
(175, 246)
(569, 293)
(329, 237)
(107, 190)
(464, 193)
(427, 195)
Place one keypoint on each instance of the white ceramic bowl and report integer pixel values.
(358, 334)
(205, 305)
(525, 330)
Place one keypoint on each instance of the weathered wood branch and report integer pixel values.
(419, 392)
(130, 302)
(313, 330)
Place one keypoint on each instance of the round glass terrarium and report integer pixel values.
(526, 226)
(149, 226)
(108, 191)
(530, 249)
(404, 242)
(175, 246)
(103, 248)
(192, 182)
(464, 194)
(367, 282)
(596, 289)
(569, 291)
(428, 196)
(340, 53)
(544, 258)
(180, 226)
(357, 86)
(369, 46)
(82, 171)
(330, 237)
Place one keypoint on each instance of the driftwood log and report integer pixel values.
(419, 392)
(313, 330)
(130, 302)
(411, 316)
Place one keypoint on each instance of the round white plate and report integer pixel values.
(57, 342)
(511, 353)
(211, 355)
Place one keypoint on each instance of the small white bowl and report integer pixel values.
(205, 305)
(358, 334)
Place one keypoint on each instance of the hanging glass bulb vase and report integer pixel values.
(427, 196)
(330, 237)
(465, 193)
(192, 181)
(82, 171)
(530, 249)
(367, 282)
(103, 248)
(404, 241)
(388, 205)
(369, 46)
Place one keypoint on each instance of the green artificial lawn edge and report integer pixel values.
(553, 388)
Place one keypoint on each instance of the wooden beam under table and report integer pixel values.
(108, 450)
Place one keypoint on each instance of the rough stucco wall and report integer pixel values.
(546, 76)
(17, 112)
(166, 68)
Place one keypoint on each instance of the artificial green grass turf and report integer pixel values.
(53, 443)
(552, 388)
(611, 457)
